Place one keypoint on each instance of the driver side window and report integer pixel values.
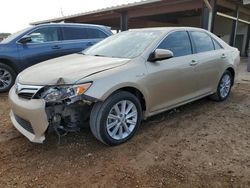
(178, 42)
(42, 35)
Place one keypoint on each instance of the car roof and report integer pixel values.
(167, 29)
(71, 24)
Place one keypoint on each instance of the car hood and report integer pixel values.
(67, 69)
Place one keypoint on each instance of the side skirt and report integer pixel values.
(176, 105)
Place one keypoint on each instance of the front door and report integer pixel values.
(172, 81)
(45, 45)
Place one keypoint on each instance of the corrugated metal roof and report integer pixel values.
(118, 7)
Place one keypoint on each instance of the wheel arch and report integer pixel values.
(132, 88)
(137, 93)
(232, 71)
(9, 63)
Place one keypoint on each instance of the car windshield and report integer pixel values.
(129, 44)
(14, 35)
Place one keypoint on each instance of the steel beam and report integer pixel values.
(215, 9)
(234, 27)
(247, 47)
(205, 17)
(124, 21)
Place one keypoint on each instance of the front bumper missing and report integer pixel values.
(28, 117)
(33, 117)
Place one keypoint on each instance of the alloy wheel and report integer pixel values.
(225, 85)
(122, 119)
(5, 78)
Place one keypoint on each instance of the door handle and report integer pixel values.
(193, 63)
(56, 47)
(223, 56)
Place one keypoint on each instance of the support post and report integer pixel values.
(124, 21)
(204, 17)
(234, 27)
(215, 8)
(247, 48)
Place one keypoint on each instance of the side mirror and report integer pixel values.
(160, 54)
(25, 39)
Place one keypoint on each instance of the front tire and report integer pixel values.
(7, 77)
(224, 87)
(116, 120)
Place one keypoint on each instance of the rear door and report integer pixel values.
(45, 44)
(172, 81)
(209, 56)
(78, 38)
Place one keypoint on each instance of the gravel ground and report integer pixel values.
(202, 144)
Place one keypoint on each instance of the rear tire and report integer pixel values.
(116, 120)
(7, 77)
(224, 87)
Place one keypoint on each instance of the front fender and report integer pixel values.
(107, 82)
(124, 85)
(103, 95)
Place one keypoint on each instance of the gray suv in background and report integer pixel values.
(39, 43)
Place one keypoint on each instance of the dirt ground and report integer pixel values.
(202, 144)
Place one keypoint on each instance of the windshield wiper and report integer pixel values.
(81, 52)
(98, 55)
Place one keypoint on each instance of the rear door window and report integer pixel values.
(95, 33)
(203, 42)
(77, 33)
(74, 33)
(178, 42)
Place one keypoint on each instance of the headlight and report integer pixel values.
(60, 93)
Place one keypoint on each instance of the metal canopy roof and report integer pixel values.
(139, 11)
(113, 8)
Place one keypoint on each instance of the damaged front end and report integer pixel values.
(67, 108)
